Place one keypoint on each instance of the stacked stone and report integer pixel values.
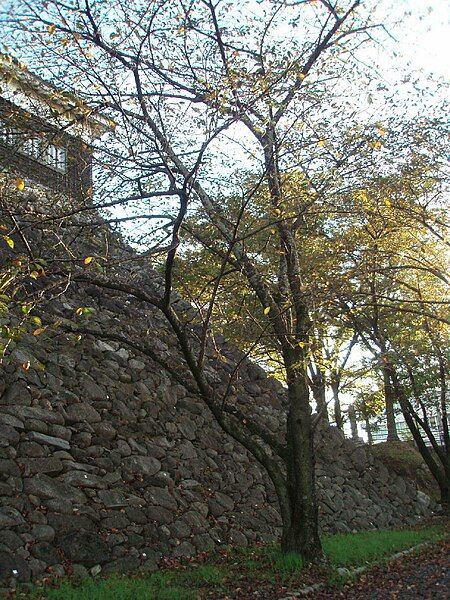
(107, 464)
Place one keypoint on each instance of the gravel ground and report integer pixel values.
(418, 576)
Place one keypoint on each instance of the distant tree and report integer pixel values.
(369, 404)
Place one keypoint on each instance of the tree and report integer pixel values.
(221, 68)
(19, 268)
(369, 406)
(181, 80)
(399, 305)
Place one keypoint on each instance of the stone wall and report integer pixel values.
(106, 464)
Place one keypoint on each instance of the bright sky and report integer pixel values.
(424, 35)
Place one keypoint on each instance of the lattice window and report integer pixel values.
(56, 157)
(32, 146)
(10, 136)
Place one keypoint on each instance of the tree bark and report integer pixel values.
(319, 392)
(441, 475)
(368, 429)
(389, 398)
(337, 403)
(353, 422)
(301, 530)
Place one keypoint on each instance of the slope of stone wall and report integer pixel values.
(106, 464)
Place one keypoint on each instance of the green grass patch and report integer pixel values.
(260, 565)
(364, 547)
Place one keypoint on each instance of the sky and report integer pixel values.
(424, 35)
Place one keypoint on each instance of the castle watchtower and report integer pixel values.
(46, 135)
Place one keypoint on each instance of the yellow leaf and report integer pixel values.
(277, 211)
(381, 131)
(51, 29)
(9, 241)
(321, 143)
(20, 184)
(34, 275)
(87, 260)
(376, 144)
(26, 365)
(79, 311)
(267, 310)
(38, 331)
(387, 202)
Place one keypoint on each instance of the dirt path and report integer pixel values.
(415, 577)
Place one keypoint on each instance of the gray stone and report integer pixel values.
(237, 538)
(45, 552)
(179, 529)
(185, 549)
(10, 539)
(42, 465)
(187, 450)
(122, 565)
(37, 567)
(113, 499)
(142, 465)
(159, 514)
(10, 517)
(43, 533)
(103, 346)
(8, 435)
(224, 500)
(160, 497)
(115, 520)
(17, 394)
(84, 548)
(48, 440)
(82, 411)
(136, 515)
(46, 487)
(359, 459)
(13, 568)
(105, 431)
(37, 413)
(84, 480)
(136, 365)
(79, 572)
(187, 428)
(7, 419)
(89, 390)
(60, 432)
(9, 467)
(203, 542)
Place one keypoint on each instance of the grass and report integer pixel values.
(256, 566)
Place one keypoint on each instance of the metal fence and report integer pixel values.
(404, 434)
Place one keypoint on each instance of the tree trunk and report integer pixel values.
(441, 473)
(445, 496)
(319, 392)
(337, 404)
(353, 423)
(389, 398)
(368, 429)
(301, 531)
